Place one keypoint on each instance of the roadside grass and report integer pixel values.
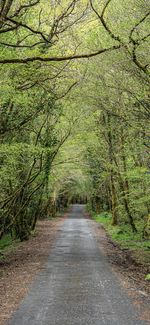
(125, 238)
(6, 244)
(6, 241)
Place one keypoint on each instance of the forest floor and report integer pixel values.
(21, 263)
(128, 269)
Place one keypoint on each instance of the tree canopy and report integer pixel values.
(74, 110)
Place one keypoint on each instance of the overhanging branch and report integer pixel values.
(58, 58)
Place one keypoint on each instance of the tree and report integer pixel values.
(74, 110)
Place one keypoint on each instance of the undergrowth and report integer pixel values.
(5, 242)
(123, 235)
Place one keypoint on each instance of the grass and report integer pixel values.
(7, 243)
(123, 235)
(147, 277)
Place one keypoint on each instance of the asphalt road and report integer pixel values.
(77, 285)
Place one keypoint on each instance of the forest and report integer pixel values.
(75, 112)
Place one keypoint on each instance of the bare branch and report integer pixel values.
(135, 27)
(59, 58)
(22, 46)
(5, 7)
(67, 91)
(9, 29)
(20, 24)
(137, 42)
(136, 61)
(24, 7)
(102, 20)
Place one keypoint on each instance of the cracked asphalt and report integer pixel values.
(77, 285)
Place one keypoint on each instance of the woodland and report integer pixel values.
(74, 111)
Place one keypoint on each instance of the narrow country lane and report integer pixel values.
(77, 285)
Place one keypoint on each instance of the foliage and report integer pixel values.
(74, 111)
(147, 277)
(123, 236)
(6, 241)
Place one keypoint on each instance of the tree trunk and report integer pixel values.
(113, 202)
(125, 186)
(112, 176)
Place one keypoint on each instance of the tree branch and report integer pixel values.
(24, 7)
(58, 58)
(102, 20)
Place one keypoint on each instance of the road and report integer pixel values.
(77, 285)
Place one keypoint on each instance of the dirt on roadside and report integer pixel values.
(21, 265)
(130, 272)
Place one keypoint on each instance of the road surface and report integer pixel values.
(77, 285)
